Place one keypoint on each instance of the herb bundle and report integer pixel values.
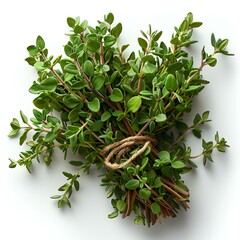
(123, 114)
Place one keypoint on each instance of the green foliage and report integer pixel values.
(94, 105)
(132, 184)
(134, 104)
(116, 95)
(124, 114)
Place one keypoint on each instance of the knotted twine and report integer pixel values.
(124, 146)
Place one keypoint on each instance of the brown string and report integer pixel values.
(124, 146)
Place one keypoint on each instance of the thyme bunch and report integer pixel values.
(122, 113)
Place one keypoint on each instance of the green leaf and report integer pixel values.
(113, 215)
(68, 77)
(40, 43)
(196, 24)
(109, 40)
(15, 124)
(84, 24)
(50, 136)
(197, 119)
(53, 120)
(70, 68)
(81, 137)
(23, 138)
(98, 81)
(149, 68)
(164, 155)
(134, 104)
(71, 101)
(116, 31)
(121, 205)
(161, 118)
(192, 164)
(217, 137)
(60, 203)
(211, 61)
(32, 50)
(132, 184)
(178, 164)
(133, 66)
(76, 185)
(157, 36)
(97, 126)
(106, 115)
(197, 132)
(66, 200)
(40, 66)
(194, 88)
(30, 60)
(138, 220)
(109, 18)
(186, 44)
(71, 22)
(148, 58)
(146, 93)
(49, 84)
(56, 196)
(88, 68)
(14, 132)
(35, 88)
(155, 208)
(117, 113)
(68, 50)
(72, 131)
(78, 29)
(116, 95)
(152, 126)
(223, 44)
(73, 116)
(142, 43)
(213, 40)
(145, 193)
(204, 144)
(94, 105)
(57, 60)
(132, 171)
(181, 126)
(144, 163)
(93, 46)
(157, 182)
(41, 102)
(144, 34)
(105, 68)
(124, 47)
(184, 26)
(221, 149)
(175, 41)
(172, 68)
(171, 83)
(24, 117)
(143, 118)
(76, 163)
(205, 116)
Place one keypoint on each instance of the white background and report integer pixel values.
(27, 212)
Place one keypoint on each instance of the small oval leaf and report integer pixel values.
(134, 104)
(94, 105)
(116, 95)
(132, 184)
(171, 83)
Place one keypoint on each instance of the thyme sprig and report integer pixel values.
(122, 113)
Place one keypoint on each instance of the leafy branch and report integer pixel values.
(122, 113)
